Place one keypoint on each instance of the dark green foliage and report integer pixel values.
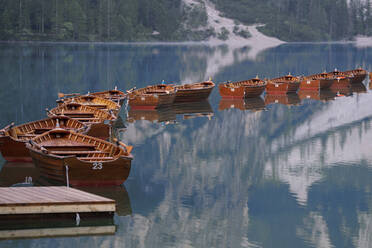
(88, 20)
(303, 20)
(224, 35)
(136, 20)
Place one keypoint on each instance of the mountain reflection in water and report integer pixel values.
(274, 171)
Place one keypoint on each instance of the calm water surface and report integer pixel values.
(255, 173)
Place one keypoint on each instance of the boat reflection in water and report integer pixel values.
(18, 174)
(321, 95)
(348, 90)
(288, 99)
(253, 104)
(163, 114)
(193, 109)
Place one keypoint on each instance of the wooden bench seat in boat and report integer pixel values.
(77, 152)
(70, 146)
(96, 158)
(155, 92)
(25, 135)
(87, 119)
(96, 105)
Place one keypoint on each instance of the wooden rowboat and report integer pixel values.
(316, 82)
(112, 95)
(79, 159)
(14, 138)
(356, 75)
(283, 85)
(341, 80)
(18, 174)
(243, 89)
(152, 97)
(94, 102)
(98, 120)
(193, 92)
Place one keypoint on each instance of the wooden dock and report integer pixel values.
(51, 200)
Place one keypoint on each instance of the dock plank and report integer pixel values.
(54, 199)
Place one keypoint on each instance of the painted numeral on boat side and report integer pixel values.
(97, 166)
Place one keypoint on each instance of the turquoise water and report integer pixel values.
(241, 174)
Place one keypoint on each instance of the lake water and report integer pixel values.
(238, 174)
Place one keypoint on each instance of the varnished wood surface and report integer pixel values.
(250, 88)
(53, 195)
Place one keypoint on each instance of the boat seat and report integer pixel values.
(77, 152)
(26, 135)
(87, 119)
(155, 92)
(96, 158)
(70, 146)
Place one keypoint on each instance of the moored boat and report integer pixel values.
(112, 95)
(356, 75)
(319, 81)
(79, 159)
(98, 120)
(283, 85)
(152, 97)
(14, 138)
(341, 81)
(243, 89)
(193, 92)
(94, 102)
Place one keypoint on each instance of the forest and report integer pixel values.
(303, 20)
(164, 20)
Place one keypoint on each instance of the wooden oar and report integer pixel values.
(61, 95)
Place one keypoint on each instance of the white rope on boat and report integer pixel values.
(67, 179)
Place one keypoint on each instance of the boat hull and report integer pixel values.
(99, 130)
(341, 83)
(192, 95)
(151, 101)
(82, 173)
(316, 84)
(241, 92)
(282, 88)
(18, 174)
(358, 78)
(14, 150)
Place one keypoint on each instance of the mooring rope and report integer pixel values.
(67, 180)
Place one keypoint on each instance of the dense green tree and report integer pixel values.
(137, 20)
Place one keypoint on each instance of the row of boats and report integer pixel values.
(168, 114)
(74, 144)
(161, 95)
